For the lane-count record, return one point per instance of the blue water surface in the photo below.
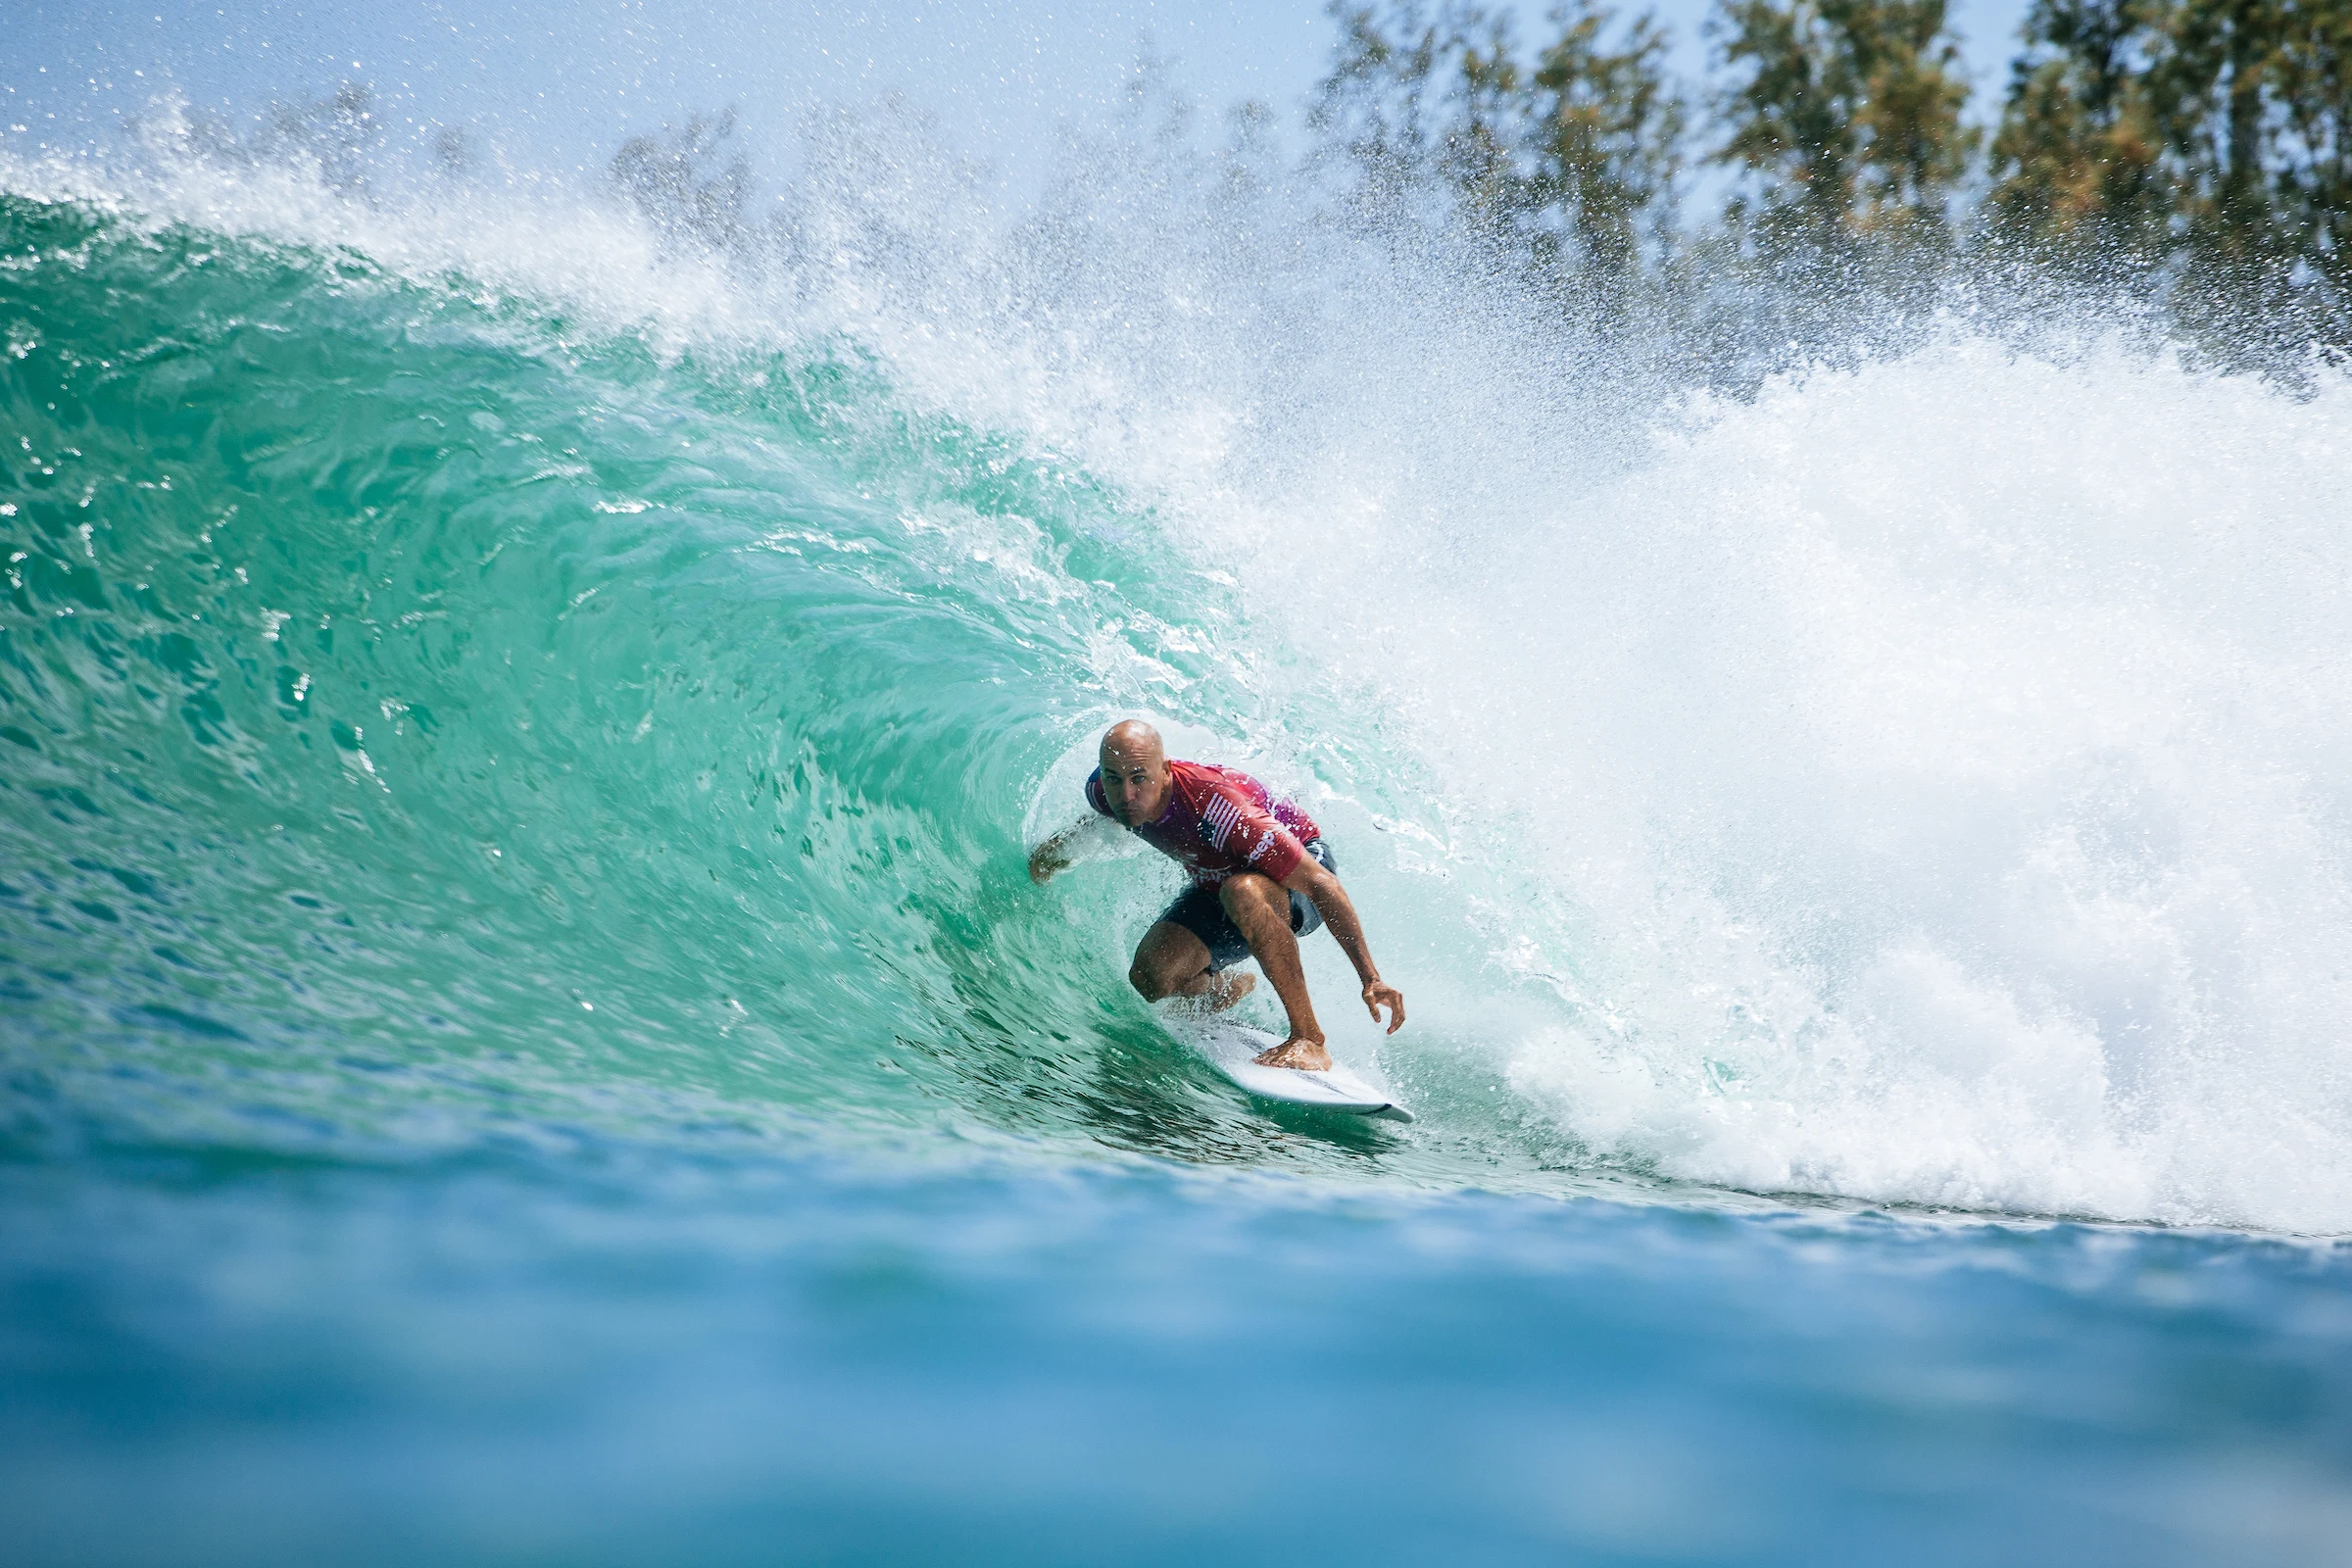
(629, 1357)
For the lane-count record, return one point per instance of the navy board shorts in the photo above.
(1201, 911)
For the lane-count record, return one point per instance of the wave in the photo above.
(477, 674)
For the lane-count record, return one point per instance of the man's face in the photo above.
(1135, 781)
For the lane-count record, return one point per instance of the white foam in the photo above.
(1932, 776)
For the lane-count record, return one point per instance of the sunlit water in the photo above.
(526, 1037)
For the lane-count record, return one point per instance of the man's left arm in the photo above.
(1331, 901)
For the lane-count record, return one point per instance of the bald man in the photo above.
(1261, 878)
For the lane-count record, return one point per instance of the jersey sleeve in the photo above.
(1235, 824)
(1093, 793)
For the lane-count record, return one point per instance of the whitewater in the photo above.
(521, 724)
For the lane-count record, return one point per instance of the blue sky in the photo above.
(559, 85)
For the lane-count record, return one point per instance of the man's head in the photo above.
(1135, 772)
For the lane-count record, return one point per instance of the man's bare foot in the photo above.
(1307, 1055)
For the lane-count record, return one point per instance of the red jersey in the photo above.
(1219, 821)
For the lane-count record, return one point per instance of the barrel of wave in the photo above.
(1114, 890)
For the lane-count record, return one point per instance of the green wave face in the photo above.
(427, 723)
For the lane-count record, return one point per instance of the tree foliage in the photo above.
(1846, 117)
(2204, 145)
(2218, 132)
(688, 180)
(1566, 155)
(1610, 132)
(2081, 140)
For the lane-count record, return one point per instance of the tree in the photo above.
(1566, 160)
(1847, 121)
(2079, 141)
(1611, 133)
(336, 138)
(2216, 133)
(2312, 137)
(2254, 93)
(685, 182)
(1372, 112)
(2209, 77)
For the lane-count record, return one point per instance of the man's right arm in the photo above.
(1331, 901)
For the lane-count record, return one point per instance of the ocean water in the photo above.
(524, 1037)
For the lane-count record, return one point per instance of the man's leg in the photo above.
(1171, 961)
(1261, 908)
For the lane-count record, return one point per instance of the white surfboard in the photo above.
(1230, 1048)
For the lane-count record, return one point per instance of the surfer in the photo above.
(1263, 877)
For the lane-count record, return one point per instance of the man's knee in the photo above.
(1149, 983)
(1154, 973)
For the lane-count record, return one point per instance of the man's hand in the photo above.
(1048, 859)
(1379, 993)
